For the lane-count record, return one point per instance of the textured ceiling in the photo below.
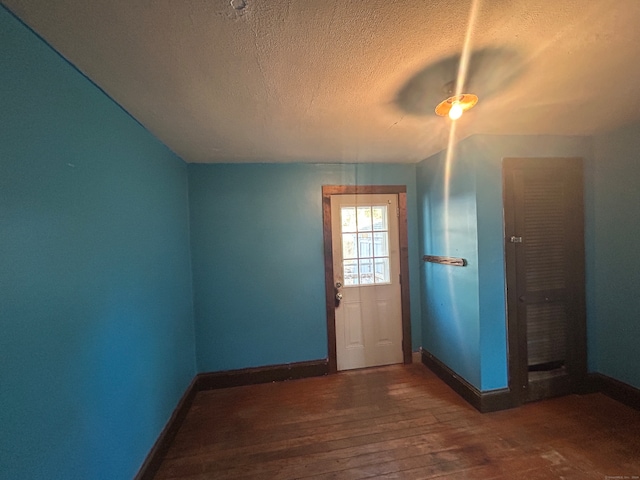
(348, 80)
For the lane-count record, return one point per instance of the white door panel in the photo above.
(353, 326)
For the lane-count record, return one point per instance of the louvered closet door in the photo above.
(545, 263)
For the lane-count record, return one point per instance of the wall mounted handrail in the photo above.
(453, 261)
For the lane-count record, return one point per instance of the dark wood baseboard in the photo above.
(615, 389)
(485, 402)
(271, 373)
(152, 463)
(495, 400)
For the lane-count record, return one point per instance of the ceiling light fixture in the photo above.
(456, 105)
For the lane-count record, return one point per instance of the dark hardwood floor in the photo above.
(397, 422)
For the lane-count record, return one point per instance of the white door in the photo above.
(366, 266)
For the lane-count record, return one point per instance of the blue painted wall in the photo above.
(476, 189)
(258, 261)
(614, 278)
(97, 341)
(450, 296)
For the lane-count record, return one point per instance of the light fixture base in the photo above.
(465, 100)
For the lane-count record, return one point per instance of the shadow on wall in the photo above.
(490, 70)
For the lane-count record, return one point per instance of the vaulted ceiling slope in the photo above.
(349, 80)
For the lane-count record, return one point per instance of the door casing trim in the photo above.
(405, 299)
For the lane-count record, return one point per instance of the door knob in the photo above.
(338, 295)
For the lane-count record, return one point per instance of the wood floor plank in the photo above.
(396, 422)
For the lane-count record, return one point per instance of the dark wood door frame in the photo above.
(401, 191)
(516, 339)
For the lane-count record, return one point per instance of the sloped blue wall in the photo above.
(258, 259)
(97, 341)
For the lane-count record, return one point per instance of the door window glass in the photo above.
(365, 245)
